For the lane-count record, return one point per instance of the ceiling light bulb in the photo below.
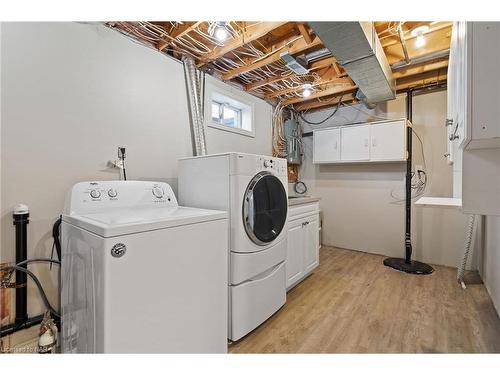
(306, 93)
(307, 90)
(221, 33)
(420, 41)
(419, 32)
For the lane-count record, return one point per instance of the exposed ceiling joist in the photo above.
(181, 30)
(324, 103)
(328, 79)
(248, 35)
(257, 84)
(295, 47)
(332, 89)
(251, 58)
(305, 32)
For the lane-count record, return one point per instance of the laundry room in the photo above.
(288, 185)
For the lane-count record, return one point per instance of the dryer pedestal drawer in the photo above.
(256, 300)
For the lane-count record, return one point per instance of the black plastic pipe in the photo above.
(14, 327)
(21, 220)
(409, 136)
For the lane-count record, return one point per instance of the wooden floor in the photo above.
(353, 304)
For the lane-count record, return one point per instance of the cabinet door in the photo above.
(326, 147)
(355, 143)
(294, 264)
(387, 141)
(486, 81)
(311, 247)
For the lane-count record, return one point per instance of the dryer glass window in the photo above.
(265, 208)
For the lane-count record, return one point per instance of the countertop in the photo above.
(440, 202)
(302, 200)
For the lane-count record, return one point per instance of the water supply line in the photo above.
(195, 89)
(469, 234)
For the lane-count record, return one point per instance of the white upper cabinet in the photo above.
(474, 86)
(326, 146)
(388, 141)
(355, 143)
(382, 141)
(485, 83)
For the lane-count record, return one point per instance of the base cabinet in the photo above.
(302, 246)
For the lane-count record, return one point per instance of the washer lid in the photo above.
(127, 220)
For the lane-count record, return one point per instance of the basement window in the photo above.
(225, 114)
(226, 111)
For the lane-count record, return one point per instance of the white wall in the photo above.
(72, 93)
(358, 210)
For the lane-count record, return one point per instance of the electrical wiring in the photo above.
(325, 119)
(279, 146)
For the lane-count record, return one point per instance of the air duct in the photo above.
(194, 87)
(296, 65)
(357, 48)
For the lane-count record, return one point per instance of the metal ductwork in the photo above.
(195, 88)
(423, 59)
(357, 48)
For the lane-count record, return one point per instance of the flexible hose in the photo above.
(38, 284)
(467, 246)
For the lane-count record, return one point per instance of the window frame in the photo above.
(238, 111)
(217, 92)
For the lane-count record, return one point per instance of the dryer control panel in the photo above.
(96, 196)
(276, 165)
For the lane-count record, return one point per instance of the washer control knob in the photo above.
(267, 163)
(112, 193)
(158, 192)
(95, 193)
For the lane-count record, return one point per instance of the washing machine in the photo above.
(252, 188)
(140, 274)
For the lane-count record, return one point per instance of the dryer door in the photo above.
(264, 208)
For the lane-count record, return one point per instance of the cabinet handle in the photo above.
(366, 142)
(374, 142)
(336, 145)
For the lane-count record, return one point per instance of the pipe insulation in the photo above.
(195, 88)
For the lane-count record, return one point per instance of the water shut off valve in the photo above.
(47, 338)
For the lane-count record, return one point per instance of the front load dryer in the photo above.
(252, 188)
(141, 274)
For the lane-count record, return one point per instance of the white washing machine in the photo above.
(141, 274)
(253, 189)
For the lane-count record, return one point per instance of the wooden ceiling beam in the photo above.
(257, 84)
(316, 104)
(305, 32)
(296, 47)
(179, 31)
(333, 89)
(248, 36)
(316, 65)
(438, 75)
(328, 79)
(415, 70)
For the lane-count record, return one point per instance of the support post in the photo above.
(406, 264)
